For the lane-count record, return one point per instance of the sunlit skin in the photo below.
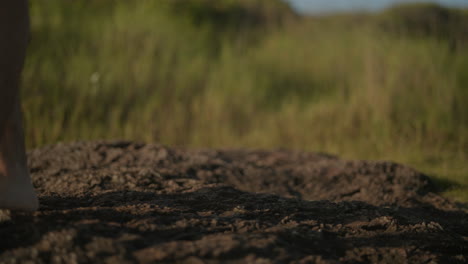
(16, 190)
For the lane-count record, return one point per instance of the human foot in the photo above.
(16, 189)
(17, 193)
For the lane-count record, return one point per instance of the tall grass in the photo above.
(146, 71)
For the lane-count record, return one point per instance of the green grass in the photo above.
(250, 74)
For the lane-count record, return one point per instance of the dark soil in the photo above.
(122, 202)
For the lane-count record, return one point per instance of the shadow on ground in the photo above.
(123, 202)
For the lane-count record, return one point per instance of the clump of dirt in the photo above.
(122, 202)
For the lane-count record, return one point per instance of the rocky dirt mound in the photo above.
(120, 202)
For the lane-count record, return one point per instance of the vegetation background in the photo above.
(252, 73)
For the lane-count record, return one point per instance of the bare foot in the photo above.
(17, 193)
(16, 189)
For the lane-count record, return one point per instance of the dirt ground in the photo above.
(122, 202)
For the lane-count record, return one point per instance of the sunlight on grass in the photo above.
(355, 85)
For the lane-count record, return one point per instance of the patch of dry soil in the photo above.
(121, 202)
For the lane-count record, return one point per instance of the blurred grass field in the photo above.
(203, 73)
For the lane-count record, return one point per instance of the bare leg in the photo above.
(16, 190)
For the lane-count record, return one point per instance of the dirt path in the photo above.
(122, 202)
